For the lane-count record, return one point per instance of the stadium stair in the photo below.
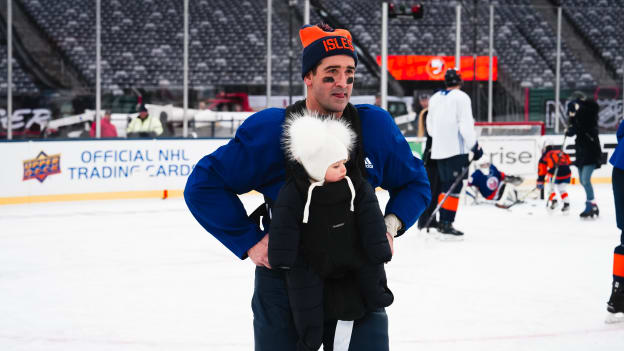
(588, 57)
(51, 68)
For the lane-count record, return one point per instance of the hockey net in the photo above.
(509, 128)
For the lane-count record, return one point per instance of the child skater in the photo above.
(556, 164)
(327, 230)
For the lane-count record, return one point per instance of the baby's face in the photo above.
(336, 172)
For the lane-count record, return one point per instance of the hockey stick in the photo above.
(458, 180)
(519, 200)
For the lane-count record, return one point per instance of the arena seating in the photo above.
(142, 40)
(22, 83)
(524, 43)
(600, 24)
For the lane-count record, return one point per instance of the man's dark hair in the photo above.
(452, 78)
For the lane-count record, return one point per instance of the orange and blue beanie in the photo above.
(320, 41)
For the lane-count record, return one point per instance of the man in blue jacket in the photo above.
(254, 160)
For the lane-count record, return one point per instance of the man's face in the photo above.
(143, 114)
(330, 88)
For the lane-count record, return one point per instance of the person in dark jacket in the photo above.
(583, 116)
(326, 226)
(254, 160)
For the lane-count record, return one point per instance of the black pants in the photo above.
(434, 181)
(449, 170)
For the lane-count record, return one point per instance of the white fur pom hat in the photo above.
(316, 142)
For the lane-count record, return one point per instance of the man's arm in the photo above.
(157, 127)
(406, 180)
(131, 126)
(219, 210)
(247, 162)
(466, 121)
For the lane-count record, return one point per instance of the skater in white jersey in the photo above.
(451, 126)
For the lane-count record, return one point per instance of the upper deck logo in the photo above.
(42, 166)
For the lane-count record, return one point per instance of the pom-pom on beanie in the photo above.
(317, 142)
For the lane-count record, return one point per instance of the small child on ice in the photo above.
(555, 163)
(327, 230)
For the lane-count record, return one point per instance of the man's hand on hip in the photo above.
(259, 253)
(391, 242)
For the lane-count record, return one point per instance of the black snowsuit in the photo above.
(335, 261)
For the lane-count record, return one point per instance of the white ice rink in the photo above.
(143, 275)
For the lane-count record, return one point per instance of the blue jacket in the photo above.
(617, 159)
(254, 160)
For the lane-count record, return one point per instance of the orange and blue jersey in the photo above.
(554, 160)
(488, 184)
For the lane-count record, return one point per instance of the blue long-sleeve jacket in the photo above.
(254, 160)
(617, 159)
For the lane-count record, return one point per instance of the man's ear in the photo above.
(307, 79)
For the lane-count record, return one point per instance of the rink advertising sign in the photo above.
(519, 155)
(120, 168)
(423, 67)
(25, 121)
(125, 163)
(123, 168)
(42, 166)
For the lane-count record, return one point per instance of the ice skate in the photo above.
(615, 306)
(446, 232)
(590, 211)
(613, 318)
(551, 205)
(434, 224)
(566, 208)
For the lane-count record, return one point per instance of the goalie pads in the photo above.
(508, 197)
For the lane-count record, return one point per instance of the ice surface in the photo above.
(143, 275)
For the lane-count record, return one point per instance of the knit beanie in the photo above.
(317, 142)
(320, 41)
